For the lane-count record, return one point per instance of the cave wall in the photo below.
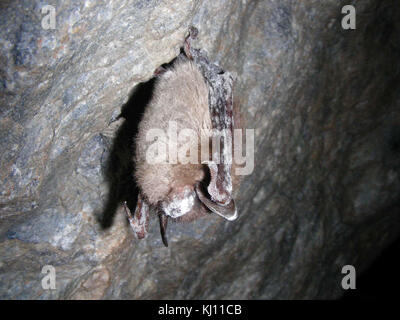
(324, 104)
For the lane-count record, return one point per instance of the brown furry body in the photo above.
(180, 95)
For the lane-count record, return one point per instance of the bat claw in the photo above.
(114, 118)
(160, 70)
(193, 32)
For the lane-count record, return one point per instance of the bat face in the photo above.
(190, 109)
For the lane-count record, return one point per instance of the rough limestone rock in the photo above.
(324, 103)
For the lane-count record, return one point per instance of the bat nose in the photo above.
(179, 202)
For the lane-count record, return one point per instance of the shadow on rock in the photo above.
(119, 166)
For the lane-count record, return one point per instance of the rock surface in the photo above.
(324, 103)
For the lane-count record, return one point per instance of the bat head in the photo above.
(189, 199)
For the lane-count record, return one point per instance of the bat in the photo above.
(197, 96)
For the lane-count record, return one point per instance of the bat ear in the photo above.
(220, 85)
(227, 211)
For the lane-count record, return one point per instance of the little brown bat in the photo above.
(193, 94)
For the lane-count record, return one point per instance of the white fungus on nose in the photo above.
(178, 206)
